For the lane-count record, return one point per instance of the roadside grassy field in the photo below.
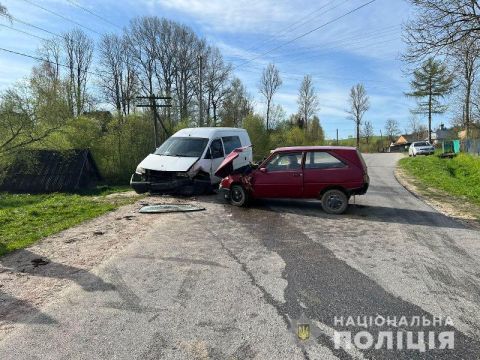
(25, 218)
(459, 176)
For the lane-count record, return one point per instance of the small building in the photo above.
(405, 139)
(443, 134)
(47, 171)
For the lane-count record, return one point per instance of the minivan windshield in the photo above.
(183, 147)
(419, 144)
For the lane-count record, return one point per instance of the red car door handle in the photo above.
(297, 174)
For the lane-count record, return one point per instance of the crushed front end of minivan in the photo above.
(185, 163)
(173, 168)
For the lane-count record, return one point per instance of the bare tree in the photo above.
(78, 49)
(187, 64)
(367, 131)
(392, 129)
(269, 84)
(467, 64)
(117, 79)
(308, 103)
(141, 45)
(51, 51)
(4, 12)
(236, 105)
(359, 105)
(217, 75)
(414, 126)
(166, 47)
(438, 25)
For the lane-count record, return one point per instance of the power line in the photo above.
(306, 33)
(74, 3)
(296, 24)
(23, 32)
(63, 17)
(35, 26)
(343, 41)
(47, 61)
(347, 40)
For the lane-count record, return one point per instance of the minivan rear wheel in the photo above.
(238, 195)
(334, 202)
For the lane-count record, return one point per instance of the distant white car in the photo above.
(421, 148)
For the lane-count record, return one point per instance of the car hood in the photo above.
(226, 167)
(167, 163)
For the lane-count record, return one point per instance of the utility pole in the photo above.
(337, 137)
(156, 117)
(200, 100)
(381, 139)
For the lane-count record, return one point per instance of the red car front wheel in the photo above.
(238, 195)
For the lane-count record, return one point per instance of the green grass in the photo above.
(25, 218)
(459, 176)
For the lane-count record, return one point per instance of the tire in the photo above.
(334, 202)
(238, 195)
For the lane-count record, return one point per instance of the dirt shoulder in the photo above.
(453, 206)
(32, 277)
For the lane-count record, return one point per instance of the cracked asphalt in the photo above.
(228, 283)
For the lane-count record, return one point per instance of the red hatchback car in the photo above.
(331, 174)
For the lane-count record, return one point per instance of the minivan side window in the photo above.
(231, 143)
(216, 150)
(322, 160)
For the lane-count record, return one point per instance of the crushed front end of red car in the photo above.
(230, 174)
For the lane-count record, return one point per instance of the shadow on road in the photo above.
(363, 212)
(21, 307)
(25, 262)
(323, 287)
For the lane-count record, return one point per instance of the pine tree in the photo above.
(430, 83)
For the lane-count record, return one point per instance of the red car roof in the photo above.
(313, 148)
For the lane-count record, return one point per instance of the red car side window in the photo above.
(285, 162)
(322, 160)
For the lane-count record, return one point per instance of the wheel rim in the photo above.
(335, 202)
(237, 194)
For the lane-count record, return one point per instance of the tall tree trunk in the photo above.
(268, 114)
(430, 117)
(467, 108)
(358, 134)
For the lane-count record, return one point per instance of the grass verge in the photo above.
(459, 176)
(25, 218)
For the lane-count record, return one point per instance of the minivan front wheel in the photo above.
(334, 202)
(238, 195)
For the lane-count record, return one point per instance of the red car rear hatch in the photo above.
(226, 167)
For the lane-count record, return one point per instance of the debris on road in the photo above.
(39, 262)
(169, 208)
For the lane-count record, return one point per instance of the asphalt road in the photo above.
(231, 283)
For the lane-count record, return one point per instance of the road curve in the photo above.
(231, 283)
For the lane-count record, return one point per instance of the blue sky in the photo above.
(362, 47)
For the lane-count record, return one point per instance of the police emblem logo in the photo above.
(303, 331)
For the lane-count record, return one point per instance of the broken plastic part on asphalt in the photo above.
(169, 208)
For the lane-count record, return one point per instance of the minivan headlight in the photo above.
(140, 170)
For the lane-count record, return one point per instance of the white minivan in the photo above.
(186, 162)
